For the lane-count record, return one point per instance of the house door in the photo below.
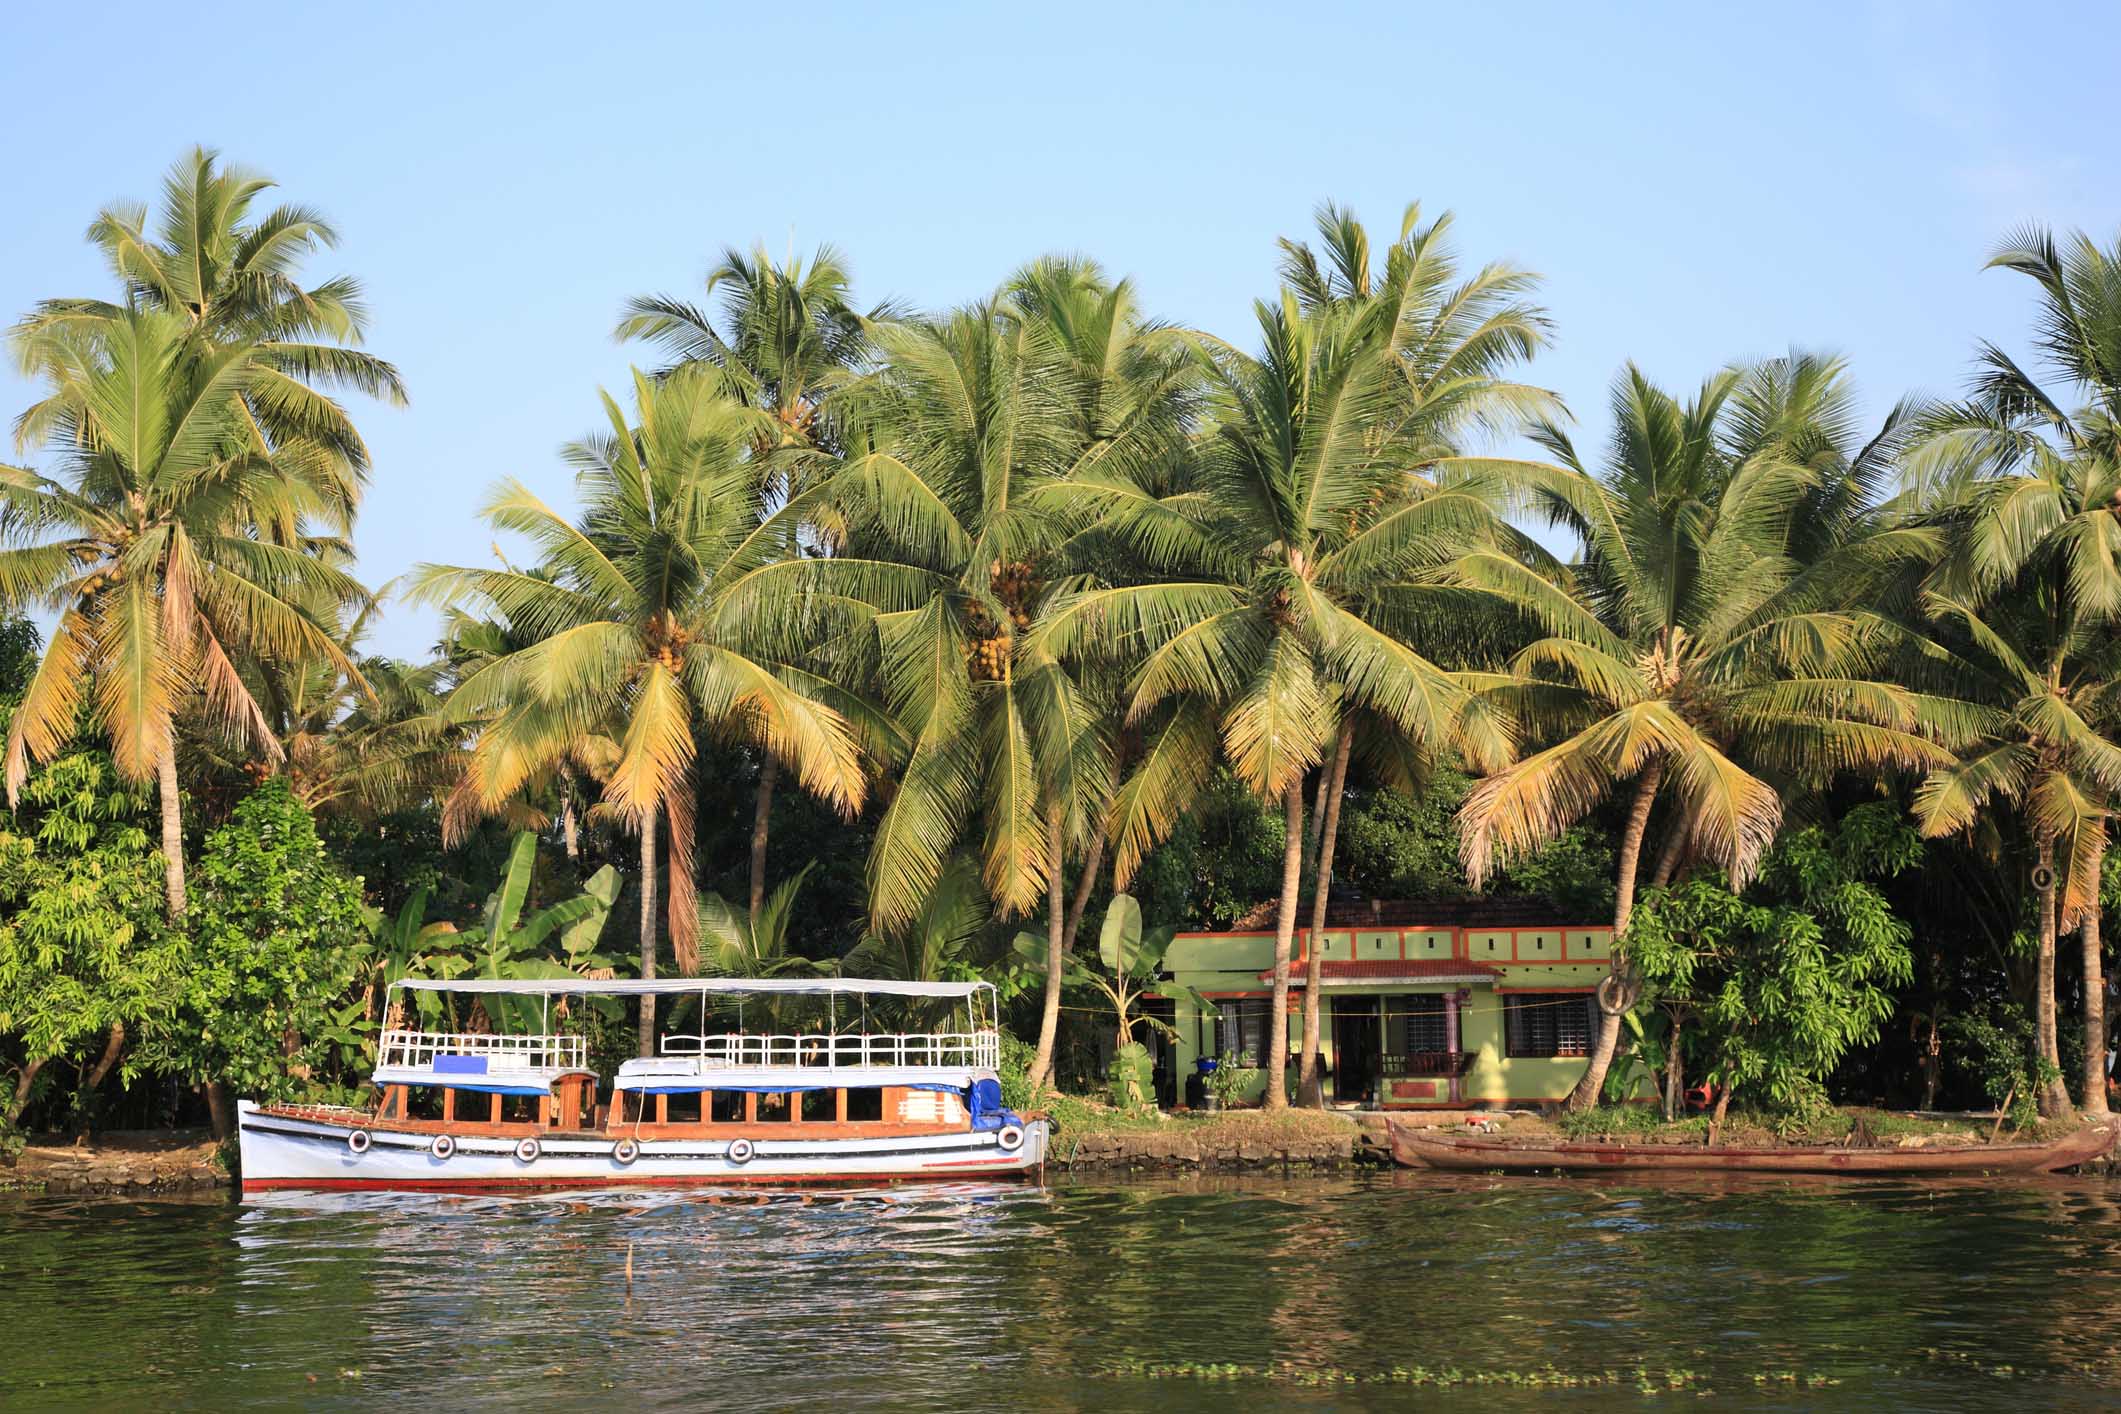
(1356, 1049)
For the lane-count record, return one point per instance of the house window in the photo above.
(1548, 1024)
(1242, 1027)
(1416, 1023)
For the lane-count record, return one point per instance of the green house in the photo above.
(1483, 1003)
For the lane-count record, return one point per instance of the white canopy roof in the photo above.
(693, 986)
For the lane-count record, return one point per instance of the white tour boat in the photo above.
(498, 1112)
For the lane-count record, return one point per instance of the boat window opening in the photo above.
(818, 1105)
(726, 1107)
(1548, 1025)
(773, 1108)
(865, 1105)
(685, 1109)
(519, 1109)
(422, 1102)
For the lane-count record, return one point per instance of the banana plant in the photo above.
(506, 944)
(1130, 960)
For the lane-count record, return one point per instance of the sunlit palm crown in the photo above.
(1704, 637)
(2017, 487)
(652, 614)
(232, 277)
(1297, 565)
(949, 443)
(145, 542)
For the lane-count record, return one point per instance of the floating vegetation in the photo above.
(1642, 1378)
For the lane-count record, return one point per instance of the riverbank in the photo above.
(1093, 1139)
(148, 1161)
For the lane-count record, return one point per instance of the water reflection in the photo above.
(1934, 1294)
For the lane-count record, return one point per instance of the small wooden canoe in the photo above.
(1414, 1148)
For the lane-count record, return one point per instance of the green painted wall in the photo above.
(1231, 962)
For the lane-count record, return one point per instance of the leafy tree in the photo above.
(1792, 974)
(86, 960)
(270, 1003)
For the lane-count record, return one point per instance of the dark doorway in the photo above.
(1356, 1052)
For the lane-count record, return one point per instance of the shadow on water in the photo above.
(1346, 1293)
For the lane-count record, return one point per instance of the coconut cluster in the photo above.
(987, 652)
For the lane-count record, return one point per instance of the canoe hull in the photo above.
(1413, 1149)
(287, 1152)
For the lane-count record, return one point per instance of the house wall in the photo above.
(1559, 959)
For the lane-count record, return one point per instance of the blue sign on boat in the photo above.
(460, 1065)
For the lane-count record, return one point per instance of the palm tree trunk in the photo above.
(1588, 1089)
(1668, 858)
(1292, 882)
(172, 802)
(172, 827)
(570, 828)
(648, 929)
(1093, 862)
(1310, 1087)
(2054, 1095)
(1056, 930)
(2094, 1016)
(2095, 992)
(761, 814)
(1314, 829)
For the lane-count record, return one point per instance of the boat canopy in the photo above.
(694, 986)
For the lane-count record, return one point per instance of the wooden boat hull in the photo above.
(283, 1151)
(1412, 1148)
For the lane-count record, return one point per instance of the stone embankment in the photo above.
(1233, 1144)
(181, 1162)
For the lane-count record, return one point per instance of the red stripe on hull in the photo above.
(558, 1185)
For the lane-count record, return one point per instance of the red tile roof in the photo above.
(1387, 969)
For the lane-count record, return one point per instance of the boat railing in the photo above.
(419, 1048)
(842, 1051)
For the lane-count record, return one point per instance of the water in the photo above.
(1775, 1294)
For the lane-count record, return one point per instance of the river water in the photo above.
(1373, 1292)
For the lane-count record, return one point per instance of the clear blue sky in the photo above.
(1696, 182)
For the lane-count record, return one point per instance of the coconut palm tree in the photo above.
(1450, 344)
(651, 615)
(146, 546)
(1693, 659)
(2022, 478)
(788, 333)
(1256, 620)
(949, 445)
(232, 276)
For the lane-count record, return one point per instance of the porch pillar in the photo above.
(1450, 1040)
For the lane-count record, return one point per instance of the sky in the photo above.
(1695, 183)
